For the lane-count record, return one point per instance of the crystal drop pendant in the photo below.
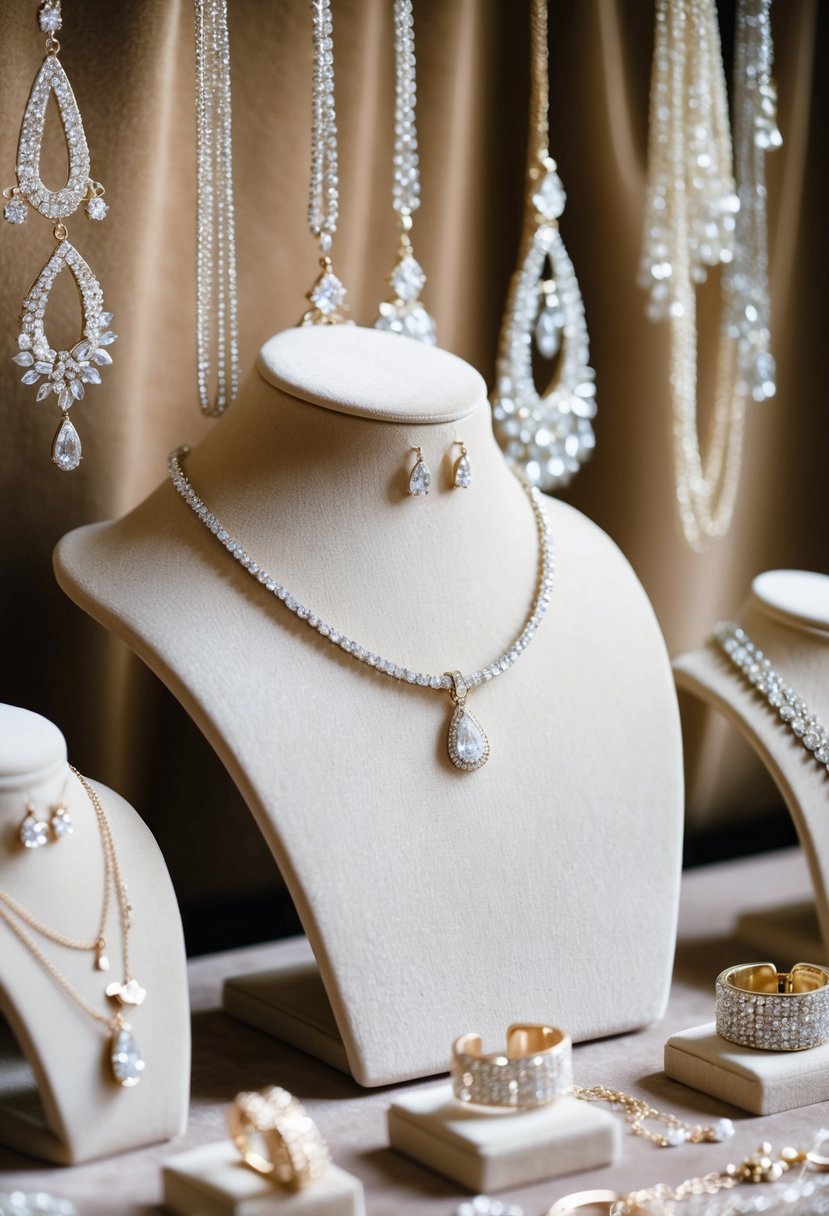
(54, 204)
(467, 743)
(126, 1059)
(549, 197)
(462, 476)
(420, 479)
(67, 452)
(548, 330)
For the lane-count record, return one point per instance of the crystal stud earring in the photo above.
(462, 471)
(61, 822)
(33, 832)
(420, 478)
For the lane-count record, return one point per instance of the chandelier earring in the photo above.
(67, 373)
(420, 478)
(547, 435)
(405, 314)
(327, 296)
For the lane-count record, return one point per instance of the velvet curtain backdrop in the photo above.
(132, 68)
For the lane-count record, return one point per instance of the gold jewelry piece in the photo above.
(536, 1068)
(759, 1006)
(295, 1153)
(33, 833)
(637, 1113)
(761, 1166)
(462, 470)
(420, 478)
(126, 1060)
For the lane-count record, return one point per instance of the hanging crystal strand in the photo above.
(66, 374)
(327, 296)
(217, 332)
(747, 309)
(405, 314)
(549, 436)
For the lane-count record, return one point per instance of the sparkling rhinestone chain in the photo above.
(217, 326)
(757, 670)
(385, 666)
(324, 197)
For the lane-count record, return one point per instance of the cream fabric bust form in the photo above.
(787, 616)
(63, 1104)
(543, 886)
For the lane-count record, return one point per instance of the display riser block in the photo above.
(213, 1181)
(761, 1082)
(487, 1149)
(788, 934)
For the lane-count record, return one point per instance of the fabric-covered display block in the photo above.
(761, 1082)
(214, 1181)
(491, 1149)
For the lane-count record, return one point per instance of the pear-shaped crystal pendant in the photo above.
(462, 472)
(67, 452)
(549, 435)
(468, 745)
(420, 478)
(54, 204)
(125, 1057)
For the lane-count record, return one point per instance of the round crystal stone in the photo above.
(15, 211)
(96, 208)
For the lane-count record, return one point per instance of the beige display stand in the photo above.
(59, 1101)
(493, 1150)
(429, 895)
(213, 1181)
(762, 1082)
(787, 616)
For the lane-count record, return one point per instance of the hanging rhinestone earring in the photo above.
(405, 314)
(462, 471)
(327, 296)
(33, 832)
(65, 373)
(61, 821)
(547, 435)
(420, 478)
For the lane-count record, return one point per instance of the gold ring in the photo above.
(759, 1006)
(294, 1153)
(536, 1068)
(584, 1199)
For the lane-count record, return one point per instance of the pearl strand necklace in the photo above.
(327, 296)
(758, 671)
(467, 743)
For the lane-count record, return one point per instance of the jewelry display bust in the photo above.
(59, 1099)
(545, 884)
(786, 616)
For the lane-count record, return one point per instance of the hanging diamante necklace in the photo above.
(467, 743)
(126, 1060)
(327, 296)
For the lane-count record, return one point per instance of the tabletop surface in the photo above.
(229, 1056)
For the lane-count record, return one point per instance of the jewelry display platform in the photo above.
(229, 1056)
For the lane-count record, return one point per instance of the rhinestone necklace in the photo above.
(467, 743)
(126, 1061)
(758, 671)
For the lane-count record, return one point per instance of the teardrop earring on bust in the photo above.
(420, 478)
(60, 821)
(405, 314)
(33, 833)
(65, 373)
(462, 470)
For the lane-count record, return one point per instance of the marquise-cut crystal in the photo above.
(54, 204)
(67, 452)
(468, 745)
(127, 1061)
(549, 197)
(420, 480)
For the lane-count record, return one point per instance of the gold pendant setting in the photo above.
(467, 742)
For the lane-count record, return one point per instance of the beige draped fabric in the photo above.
(132, 68)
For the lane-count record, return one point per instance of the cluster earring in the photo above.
(33, 832)
(327, 295)
(405, 314)
(64, 373)
(548, 435)
(420, 478)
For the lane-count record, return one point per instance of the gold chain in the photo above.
(636, 1111)
(9, 908)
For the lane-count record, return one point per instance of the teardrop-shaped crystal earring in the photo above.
(420, 478)
(33, 833)
(462, 469)
(64, 373)
(60, 821)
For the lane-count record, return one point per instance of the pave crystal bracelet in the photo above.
(758, 671)
(761, 1007)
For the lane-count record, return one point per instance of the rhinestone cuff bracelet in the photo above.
(536, 1068)
(759, 1006)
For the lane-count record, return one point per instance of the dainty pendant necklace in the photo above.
(467, 743)
(126, 1061)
